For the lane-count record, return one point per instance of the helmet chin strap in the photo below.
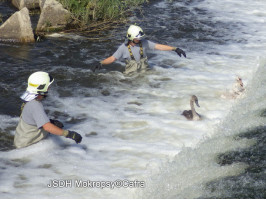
(135, 42)
(43, 94)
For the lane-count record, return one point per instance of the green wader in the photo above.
(134, 66)
(27, 134)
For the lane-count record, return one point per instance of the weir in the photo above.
(207, 171)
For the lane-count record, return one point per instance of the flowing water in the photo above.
(132, 126)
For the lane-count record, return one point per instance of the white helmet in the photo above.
(39, 82)
(134, 32)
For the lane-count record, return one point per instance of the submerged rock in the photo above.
(18, 27)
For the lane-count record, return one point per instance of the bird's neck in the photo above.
(194, 114)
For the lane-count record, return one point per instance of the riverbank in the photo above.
(89, 12)
(70, 16)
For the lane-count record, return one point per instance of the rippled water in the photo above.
(132, 127)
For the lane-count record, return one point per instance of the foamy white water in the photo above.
(137, 132)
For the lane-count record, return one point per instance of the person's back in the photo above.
(29, 129)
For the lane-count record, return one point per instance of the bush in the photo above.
(85, 11)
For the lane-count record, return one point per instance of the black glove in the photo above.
(74, 136)
(180, 52)
(98, 66)
(57, 123)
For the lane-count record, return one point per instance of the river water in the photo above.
(132, 126)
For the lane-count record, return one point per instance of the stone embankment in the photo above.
(18, 27)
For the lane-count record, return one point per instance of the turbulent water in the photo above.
(132, 126)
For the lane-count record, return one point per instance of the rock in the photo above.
(30, 4)
(41, 3)
(53, 17)
(17, 27)
(91, 134)
(105, 93)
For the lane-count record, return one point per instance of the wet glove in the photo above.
(98, 66)
(72, 135)
(180, 52)
(57, 123)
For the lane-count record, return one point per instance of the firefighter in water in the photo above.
(34, 125)
(134, 51)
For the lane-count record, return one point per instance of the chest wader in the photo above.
(28, 134)
(134, 66)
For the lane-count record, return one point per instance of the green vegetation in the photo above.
(87, 11)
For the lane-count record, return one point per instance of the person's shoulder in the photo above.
(34, 103)
(148, 44)
(145, 41)
(122, 47)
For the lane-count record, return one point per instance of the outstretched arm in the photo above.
(163, 47)
(51, 128)
(108, 60)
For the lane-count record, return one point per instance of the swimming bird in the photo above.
(192, 114)
(239, 86)
(237, 90)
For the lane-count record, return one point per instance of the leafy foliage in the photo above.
(85, 11)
